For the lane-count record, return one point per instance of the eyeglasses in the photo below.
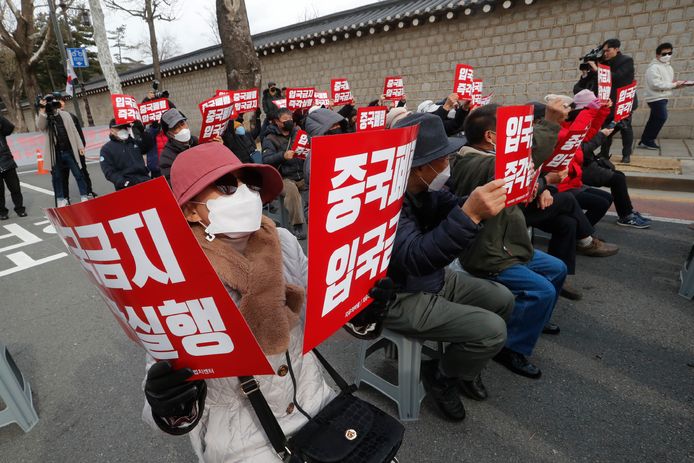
(667, 53)
(228, 185)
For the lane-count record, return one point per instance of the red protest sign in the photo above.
(301, 145)
(341, 93)
(321, 99)
(281, 103)
(245, 101)
(477, 86)
(566, 148)
(151, 111)
(604, 82)
(357, 185)
(394, 88)
(300, 98)
(463, 83)
(625, 101)
(216, 113)
(485, 100)
(125, 109)
(514, 138)
(371, 118)
(136, 247)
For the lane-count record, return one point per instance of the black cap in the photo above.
(432, 141)
(113, 124)
(271, 84)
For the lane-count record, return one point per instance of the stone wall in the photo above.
(521, 53)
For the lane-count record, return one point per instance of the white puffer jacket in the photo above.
(229, 430)
(659, 81)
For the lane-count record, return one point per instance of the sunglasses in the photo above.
(228, 184)
(669, 53)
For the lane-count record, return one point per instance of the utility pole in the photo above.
(87, 109)
(63, 53)
(101, 40)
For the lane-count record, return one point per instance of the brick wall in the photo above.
(522, 54)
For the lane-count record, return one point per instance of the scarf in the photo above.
(269, 305)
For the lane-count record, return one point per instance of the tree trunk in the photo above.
(240, 60)
(14, 112)
(107, 67)
(31, 86)
(153, 40)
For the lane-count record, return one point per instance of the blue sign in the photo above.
(78, 57)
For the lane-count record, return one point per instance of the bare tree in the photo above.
(310, 12)
(240, 59)
(149, 11)
(19, 34)
(103, 49)
(168, 47)
(117, 35)
(11, 88)
(210, 18)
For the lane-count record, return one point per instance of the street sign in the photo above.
(78, 57)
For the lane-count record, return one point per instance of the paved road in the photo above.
(618, 383)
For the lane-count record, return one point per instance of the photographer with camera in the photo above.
(589, 71)
(121, 157)
(62, 142)
(8, 173)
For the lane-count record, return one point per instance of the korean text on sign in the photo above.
(321, 99)
(138, 250)
(357, 185)
(604, 82)
(566, 148)
(394, 88)
(371, 118)
(216, 113)
(125, 109)
(301, 145)
(341, 93)
(151, 111)
(625, 102)
(300, 98)
(464, 82)
(281, 103)
(514, 139)
(245, 101)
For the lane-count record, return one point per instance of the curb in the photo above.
(662, 182)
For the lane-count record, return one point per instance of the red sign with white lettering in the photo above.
(216, 113)
(566, 148)
(371, 118)
(301, 145)
(245, 101)
(625, 101)
(125, 109)
(300, 98)
(136, 247)
(394, 88)
(514, 139)
(321, 99)
(463, 83)
(604, 82)
(357, 184)
(341, 93)
(151, 111)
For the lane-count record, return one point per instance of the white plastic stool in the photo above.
(16, 393)
(409, 392)
(687, 277)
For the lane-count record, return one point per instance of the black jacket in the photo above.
(455, 125)
(268, 106)
(622, 67)
(6, 158)
(121, 161)
(241, 145)
(171, 151)
(274, 146)
(589, 82)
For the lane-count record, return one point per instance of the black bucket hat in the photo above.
(432, 141)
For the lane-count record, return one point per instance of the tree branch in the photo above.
(17, 14)
(111, 4)
(42, 49)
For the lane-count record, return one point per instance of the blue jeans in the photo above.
(67, 159)
(536, 286)
(656, 121)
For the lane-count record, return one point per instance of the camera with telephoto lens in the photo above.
(157, 93)
(51, 103)
(593, 55)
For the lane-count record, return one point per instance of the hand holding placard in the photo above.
(485, 201)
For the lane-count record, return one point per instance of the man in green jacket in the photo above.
(502, 250)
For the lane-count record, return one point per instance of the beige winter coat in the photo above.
(74, 136)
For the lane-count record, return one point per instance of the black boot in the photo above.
(517, 363)
(443, 390)
(474, 389)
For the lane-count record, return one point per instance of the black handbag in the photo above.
(347, 430)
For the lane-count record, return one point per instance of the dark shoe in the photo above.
(569, 292)
(298, 231)
(551, 328)
(625, 159)
(474, 389)
(648, 146)
(4, 216)
(597, 248)
(517, 363)
(443, 390)
(22, 214)
(633, 221)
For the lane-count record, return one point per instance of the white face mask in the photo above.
(123, 134)
(183, 135)
(665, 59)
(440, 179)
(235, 215)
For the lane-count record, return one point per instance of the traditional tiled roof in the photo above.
(366, 20)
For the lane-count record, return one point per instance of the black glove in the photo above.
(168, 392)
(368, 324)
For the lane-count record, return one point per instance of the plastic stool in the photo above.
(16, 393)
(409, 392)
(687, 277)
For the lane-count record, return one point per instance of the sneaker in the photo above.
(62, 202)
(638, 214)
(4, 216)
(625, 160)
(597, 248)
(443, 390)
(648, 146)
(84, 199)
(633, 221)
(22, 214)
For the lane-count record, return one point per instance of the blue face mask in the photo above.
(241, 131)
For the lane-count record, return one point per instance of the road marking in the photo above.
(659, 219)
(37, 188)
(35, 170)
